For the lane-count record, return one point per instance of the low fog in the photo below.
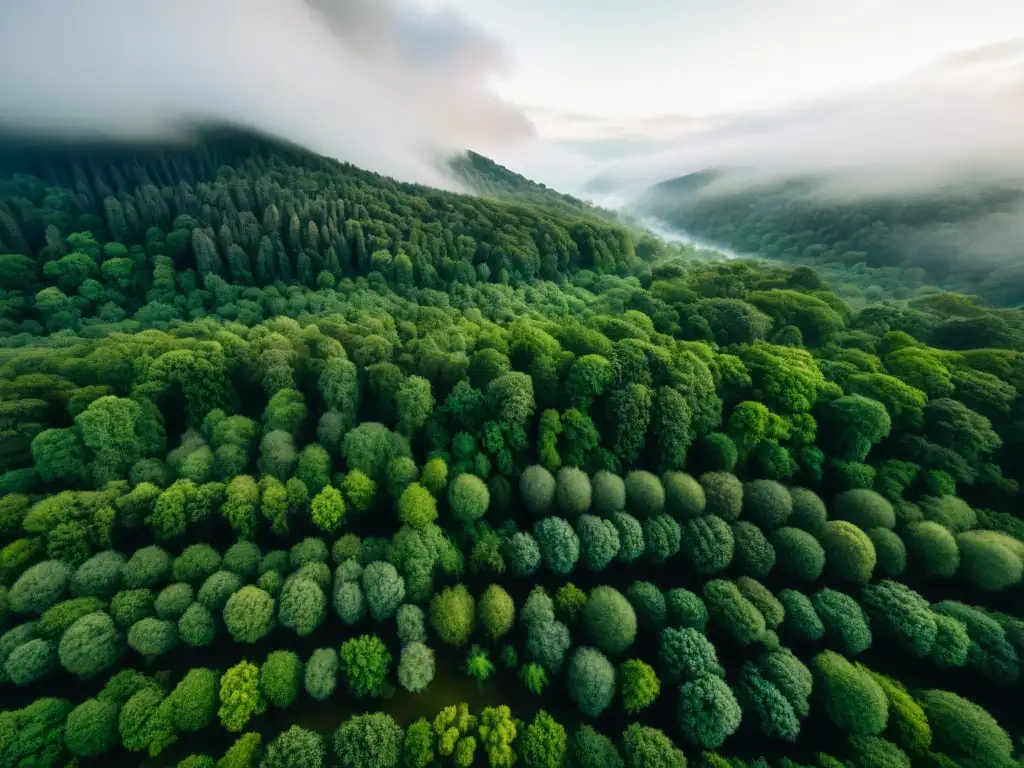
(957, 121)
(378, 83)
(395, 88)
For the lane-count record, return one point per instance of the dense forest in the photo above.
(965, 239)
(302, 466)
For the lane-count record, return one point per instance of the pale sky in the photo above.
(628, 62)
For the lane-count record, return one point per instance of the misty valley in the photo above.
(304, 466)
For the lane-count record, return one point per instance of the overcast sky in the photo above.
(631, 61)
(560, 90)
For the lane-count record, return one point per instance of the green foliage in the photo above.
(559, 545)
(415, 666)
(39, 587)
(763, 600)
(243, 558)
(57, 619)
(523, 554)
(684, 496)
(418, 746)
(92, 728)
(31, 661)
(538, 607)
(240, 696)
(383, 589)
(908, 726)
(609, 620)
(468, 498)
(302, 605)
(197, 627)
(547, 333)
(591, 681)
(99, 576)
(537, 488)
(707, 544)
(368, 741)
(547, 642)
(599, 541)
(411, 624)
(569, 602)
(631, 537)
(853, 700)
(173, 601)
(890, 551)
(864, 508)
(365, 662)
(872, 751)
(686, 654)
(809, 511)
(533, 677)
(645, 495)
(193, 701)
(153, 637)
(990, 652)
(685, 609)
(90, 645)
(952, 642)
(453, 615)
(949, 512)
(905, 615)
(572, 491)
(543, 742)
(434, 476)
(965, 731)
(644, 746)
(144, 724)
(662, 538)
(790, 676)
(849, 553)
(309, 550)
(766, 503)
(990, 560)
(217, 588)
(321, 674)
(846, 623)
(359, 490)
(766, 704)
(648, 603)
(495, 611)
(249, 614)
(196, 563)
(295, 748)
(590, 748)
(416, 506)
(932, 550)
(327, 509)
(723, 493)
(753, 554)
(479, 665)
(608, 493)
(639, 685)
(798, 553)
(497, 732)
(243, 753)
(731, 613)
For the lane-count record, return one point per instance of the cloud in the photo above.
(956, 120)
(380, 83)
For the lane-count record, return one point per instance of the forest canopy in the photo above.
(285, 440)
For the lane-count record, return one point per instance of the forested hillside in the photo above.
(302, 466)
(962, 239)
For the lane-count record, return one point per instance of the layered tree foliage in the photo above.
(361, 439)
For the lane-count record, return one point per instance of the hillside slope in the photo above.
(966, 239)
